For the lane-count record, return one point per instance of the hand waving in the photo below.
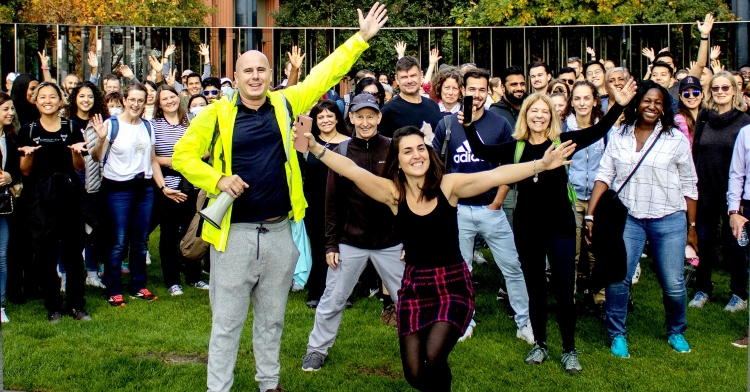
(400, 48)
(591, 51)
(203, 49)
(155, 64)
(375, 19)
(98, 125)
(93, 62)
(434, 56)
(715, 52)
(295, 58)
(126, 72)
(707, 25)
(555, 157)
(169, 51)
(170, 78)
(648, 53)
(627, 93)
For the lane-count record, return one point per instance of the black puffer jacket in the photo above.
(504, 109)
(352, 217)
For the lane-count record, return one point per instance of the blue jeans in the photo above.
(129, 213)
(494, 227)
(4, 235)
(667, 236)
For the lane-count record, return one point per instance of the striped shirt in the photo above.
(166, 136)
(666, 176)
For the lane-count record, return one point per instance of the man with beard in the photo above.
(70, 81)
(539, 76)
(409, 107)
(515, 92)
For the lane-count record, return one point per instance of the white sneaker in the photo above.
(95, 282)
(148, 258)
(201, 285)
(637, 274)
(735, 304)
(175, 290)
(469, 333)
(699, 300)
(525, 333)
(3, 317)
(479, 257)
(63, 279)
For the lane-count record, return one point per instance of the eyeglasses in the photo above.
(592, 73)
(136, 101)
(210, 92)
(376, 94)
(570, 82)
(723, 88)
(572, 59)
(694, 93)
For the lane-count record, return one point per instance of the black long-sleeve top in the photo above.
(543, 206)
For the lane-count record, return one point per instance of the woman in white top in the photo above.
(446, 89)
(129, 164)
(169, 124)
(657, 198)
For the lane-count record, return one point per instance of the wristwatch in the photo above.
(692, 224)
(732, 212)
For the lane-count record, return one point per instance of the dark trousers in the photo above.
(561, 252)
(174, 219)
(316, 282)
(65, 242)
(734, 256)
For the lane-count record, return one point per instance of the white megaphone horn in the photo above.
(214, 213)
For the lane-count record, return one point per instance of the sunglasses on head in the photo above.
(723, 88)
(376, 94)
(210, 92)
(571, 59)
(570, 82)
(694, 93)
(559, 90)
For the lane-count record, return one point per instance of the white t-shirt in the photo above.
(130, 153)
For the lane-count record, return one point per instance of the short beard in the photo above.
(515, 101)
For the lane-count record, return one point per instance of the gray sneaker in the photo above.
(537, 355)
(312, 361)
(570, 362)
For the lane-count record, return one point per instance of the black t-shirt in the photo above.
(398, 113)
(54, 155)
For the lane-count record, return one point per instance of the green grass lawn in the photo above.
(162, 346)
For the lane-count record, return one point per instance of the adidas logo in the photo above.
(463, 154)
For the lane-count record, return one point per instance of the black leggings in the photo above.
(424, 356)
(561, 253)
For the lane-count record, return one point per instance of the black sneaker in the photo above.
(80, 315)
(54, 317)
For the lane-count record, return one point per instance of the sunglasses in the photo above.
(571, 59)
(558, 90)
(210, 92)
(694, 93)
(375, 94)
(723, 88)
(570, 82)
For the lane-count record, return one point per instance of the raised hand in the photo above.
(461, 115)
(203, 49)
(715, 52)
(43, 58)
(79, 148)
(170, 78)
(707, 25)
(555, 157)
(155, 64)
(627, 93)
(591, 52)
(92, 60)
(126, 72)
(98, 125)
(434, 56)
(375, 19)
(692, 64)
(295, 58)
(175, 195)
(169, 51)
(716, 66)
(28, 150)
(649, 53)
(400, 48)
(664, 49)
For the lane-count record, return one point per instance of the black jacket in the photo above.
(352, 217)
(504, 109)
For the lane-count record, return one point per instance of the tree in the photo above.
(114, 12)
(574, 12)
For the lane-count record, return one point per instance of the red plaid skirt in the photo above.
(431, 295)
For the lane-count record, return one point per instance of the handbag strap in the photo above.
(639, 162)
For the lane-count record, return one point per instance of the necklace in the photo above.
(328, 142)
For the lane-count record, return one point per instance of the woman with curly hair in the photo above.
(446, 90)
(85, 100)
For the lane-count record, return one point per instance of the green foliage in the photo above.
(577, 12)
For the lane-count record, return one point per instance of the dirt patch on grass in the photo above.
(175, 358)
(382, 371)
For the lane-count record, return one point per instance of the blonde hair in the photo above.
(522, 130)
(737, 102)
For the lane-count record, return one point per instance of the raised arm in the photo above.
(295, 59)
(705, 30)
(379, 188)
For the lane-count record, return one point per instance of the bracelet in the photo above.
(45, 68)
(536, 175)
(321, 154)
(588, 218)
(704, 39)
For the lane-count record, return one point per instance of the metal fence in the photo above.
(493, 48)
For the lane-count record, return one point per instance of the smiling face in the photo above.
(616, 81)
(693, 102)
(722, 97)
(449, 92)
(365, 122)
(595, 74)
(211, 93)
(7, 112)
(169, 102)
(538, 117)
(539, 78)
(410, 81)
(70, 82)
(651, 106)
(661, 76)
(477, 88)
(135, 103)
(413, 157)
(151, 96)
(194, 84)
(48, 100)
(30, 91)
(383, 79)
(198, 103)
(253, 75)
(515, 86)
(560, 105)
(85, 99)
(112, 86)
(583, 100)
(326, 121)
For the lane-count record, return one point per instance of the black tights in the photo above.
(424, 356)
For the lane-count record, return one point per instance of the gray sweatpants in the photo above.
(258, 262)
(340, 283)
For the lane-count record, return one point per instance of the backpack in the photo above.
(347, 104)
(571, 191)
(443, 156)
(116, 130)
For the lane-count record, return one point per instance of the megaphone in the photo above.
(214, 213)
